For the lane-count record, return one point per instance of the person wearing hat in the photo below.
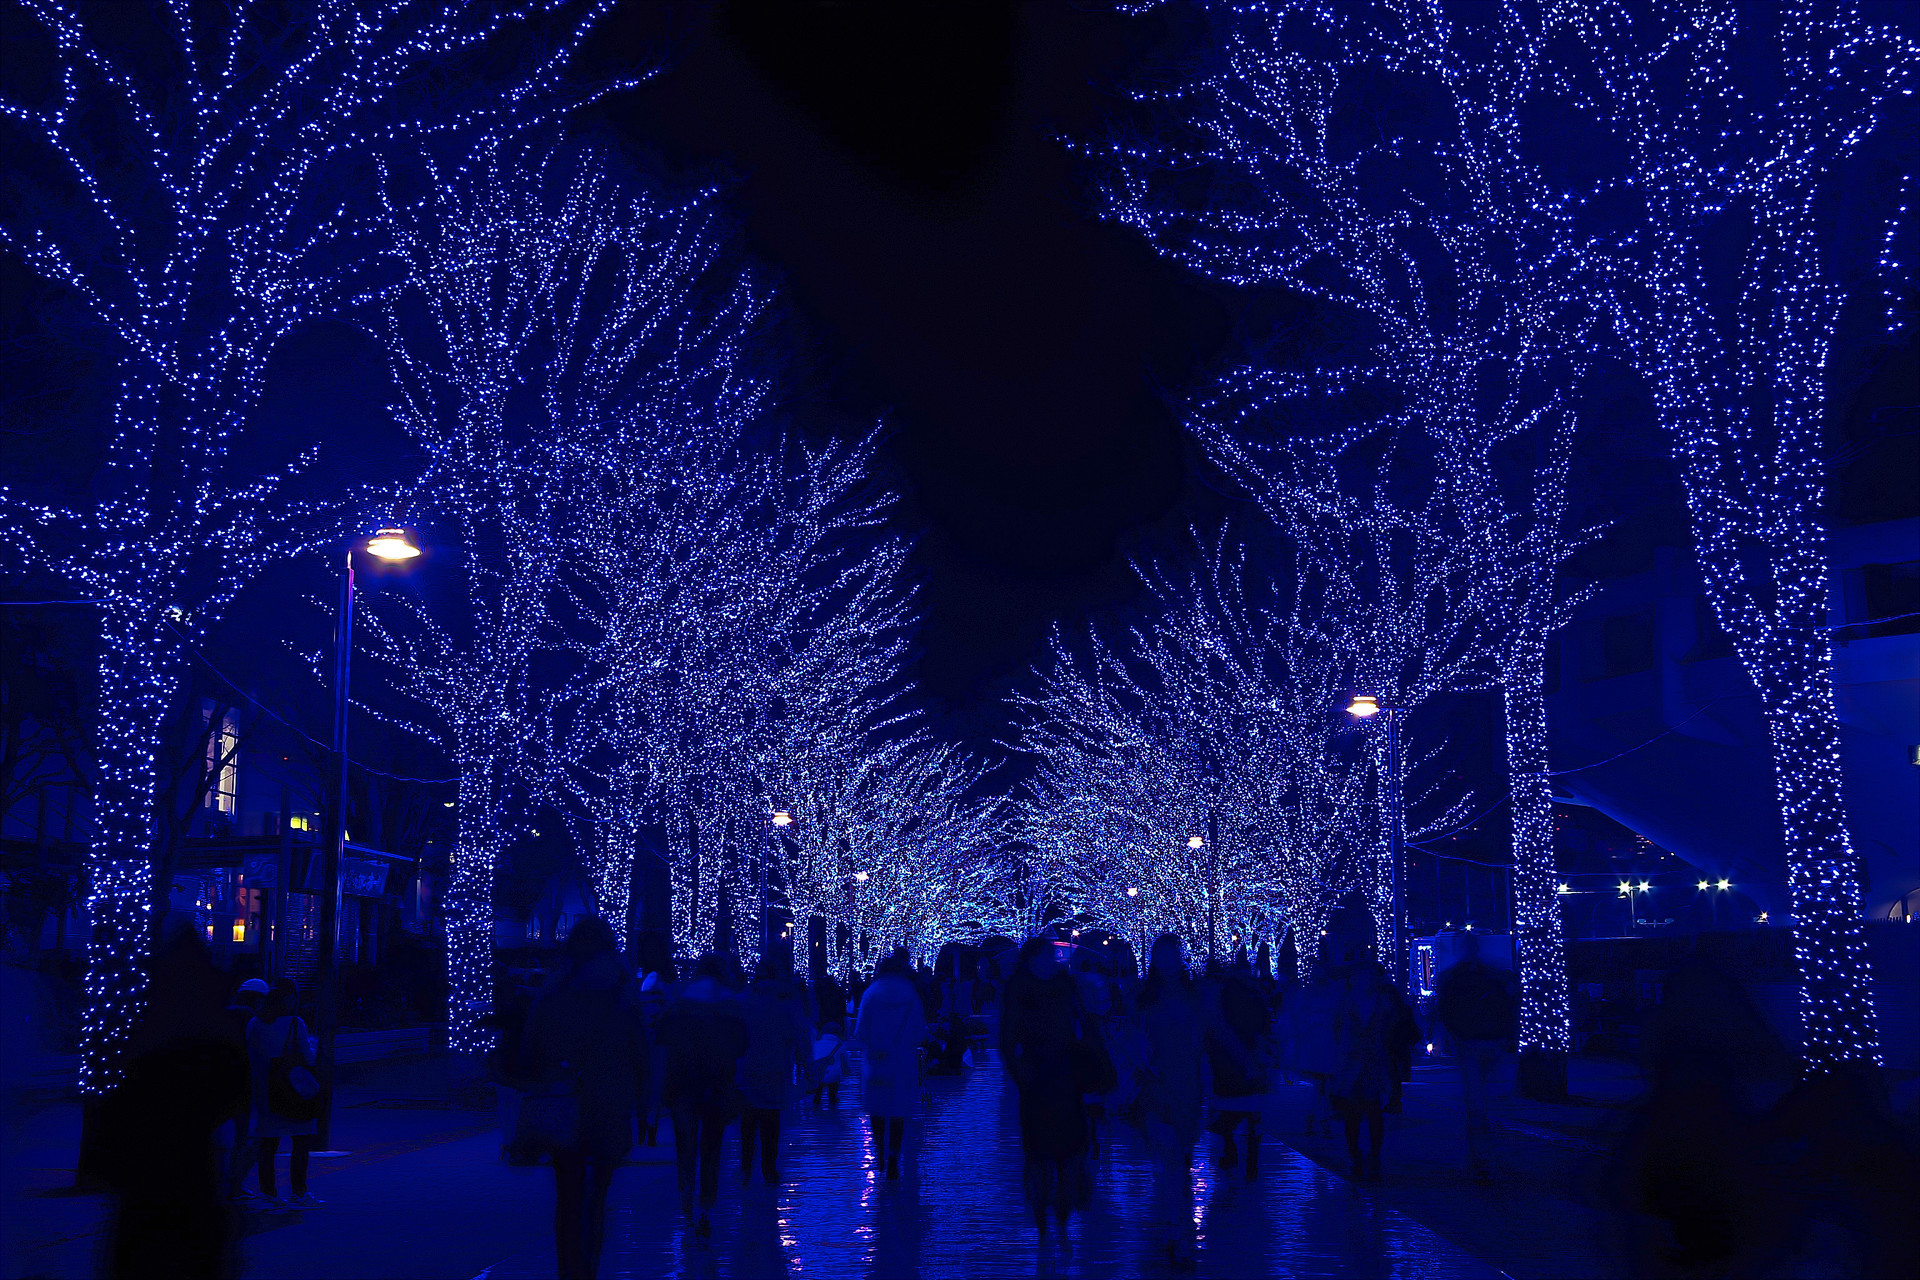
(235, 1137)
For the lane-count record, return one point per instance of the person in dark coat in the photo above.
(702, 1037)
(236, 1135)
(1238, 1045)
(1175, 1021)
(583, 1033)
(186, 1074)
(779, 1041)
(1478, 1006)
(1046, 1048)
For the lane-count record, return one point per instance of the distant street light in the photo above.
(1195, 842)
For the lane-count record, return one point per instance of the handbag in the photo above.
(1093, 1069)
(293, 1091)
(549, 1121)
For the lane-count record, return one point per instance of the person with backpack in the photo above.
(286, 1093)
(1476, 1003)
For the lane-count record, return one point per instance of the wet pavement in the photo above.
(956, 1210)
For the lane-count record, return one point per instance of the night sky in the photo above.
(900, 168)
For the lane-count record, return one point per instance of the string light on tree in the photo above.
(195, 160)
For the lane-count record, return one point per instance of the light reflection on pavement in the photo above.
(956, 1211)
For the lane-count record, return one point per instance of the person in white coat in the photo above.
(889, 1027)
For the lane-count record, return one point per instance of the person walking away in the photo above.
(702, 1037)
(583, 1041)
(1478, 1007)
(186, 1073)
(1047, 1048)
(779, 1041)
(1171, 1017)
(1365, 1010)
(655, 988)
(1238, 1049)
(235, 1136)
(889, 1027)
(280, 1064)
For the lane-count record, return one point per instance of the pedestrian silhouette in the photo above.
(890, 1026)
(286, 1100)
(585, 1048)
(186, 1074)
(1054, 1060)
(1239, 1045)
(1477, 1005)
(702, 1037)
(1363, 1011)
(1171, 1015)
(779, 1041)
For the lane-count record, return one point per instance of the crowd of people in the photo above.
(604, 1052)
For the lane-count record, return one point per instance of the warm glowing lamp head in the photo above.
(860, 877)
(1133, 891)
(1194, 842)
(1724, 884)
(1645, 887)
(1626, 886)
(392, 544)
(1363, 705)
(1702, 884)
(781, 818)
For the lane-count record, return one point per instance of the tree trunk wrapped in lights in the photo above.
(182, 174)
(1732, 226)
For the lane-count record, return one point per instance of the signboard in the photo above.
(363, 877)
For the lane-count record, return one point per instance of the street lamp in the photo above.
(1365, 706)
(781, 821)
(393, 546)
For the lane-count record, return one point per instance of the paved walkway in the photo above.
(424, 1197)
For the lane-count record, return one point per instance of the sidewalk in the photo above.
(1539, 1218)
(391, 1114)
(424, 1197)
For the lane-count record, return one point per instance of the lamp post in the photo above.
(394, 546)
(1364, 707)
(1139, 927)
(1630, 892)
(780, 822)
(1716, 887)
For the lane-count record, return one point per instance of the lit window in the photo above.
(300, 822)
(223, 764)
